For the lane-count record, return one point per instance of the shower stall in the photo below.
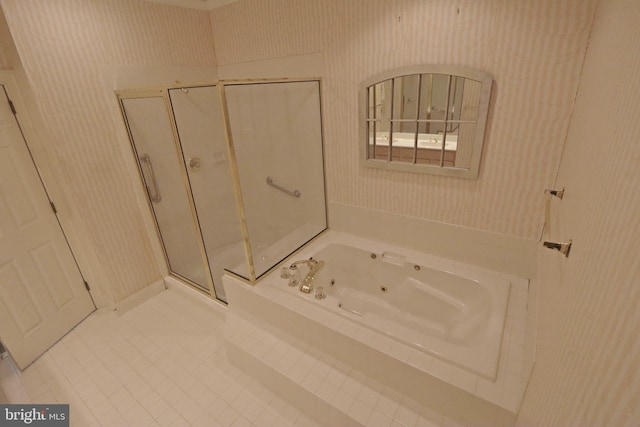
(233, 172)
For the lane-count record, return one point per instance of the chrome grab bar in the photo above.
(154, 193)
(294, 193)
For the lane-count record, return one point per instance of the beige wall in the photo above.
(534, 49)
(588, 367)
(70, 50)
(8, 54)
(587, 371)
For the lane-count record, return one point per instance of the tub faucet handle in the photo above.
(293, 281)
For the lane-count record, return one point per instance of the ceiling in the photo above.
(195, 4)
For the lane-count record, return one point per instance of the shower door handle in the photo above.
(152, 185)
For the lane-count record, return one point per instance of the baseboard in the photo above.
(139, 297)
(176, 284)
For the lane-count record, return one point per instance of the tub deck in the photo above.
(456, 315)
(277, 316)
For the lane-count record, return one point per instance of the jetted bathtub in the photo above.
(452, 311)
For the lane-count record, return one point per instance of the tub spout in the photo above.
(314, 266)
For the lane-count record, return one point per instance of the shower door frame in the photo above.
(163, 92)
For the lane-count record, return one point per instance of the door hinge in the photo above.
(53, 208)
(86, 285)
(13, 107)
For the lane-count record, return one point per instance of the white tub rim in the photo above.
(462, 269)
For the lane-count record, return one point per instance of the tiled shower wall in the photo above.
(534, 49)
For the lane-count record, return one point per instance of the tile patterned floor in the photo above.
(160, 364)
(352, 392)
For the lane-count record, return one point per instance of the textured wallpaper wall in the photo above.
(534, 49)
(68, 48)
(587, 371)
(7, 50)
(588, 367)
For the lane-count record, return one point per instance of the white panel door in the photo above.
(42, 294)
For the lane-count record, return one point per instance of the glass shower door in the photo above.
(201, 132)
(234, 174)
(153, 141)
(277, 137)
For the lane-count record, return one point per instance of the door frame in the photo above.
(9, 80)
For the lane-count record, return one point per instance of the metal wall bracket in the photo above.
(563, 248)
(557, 193)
